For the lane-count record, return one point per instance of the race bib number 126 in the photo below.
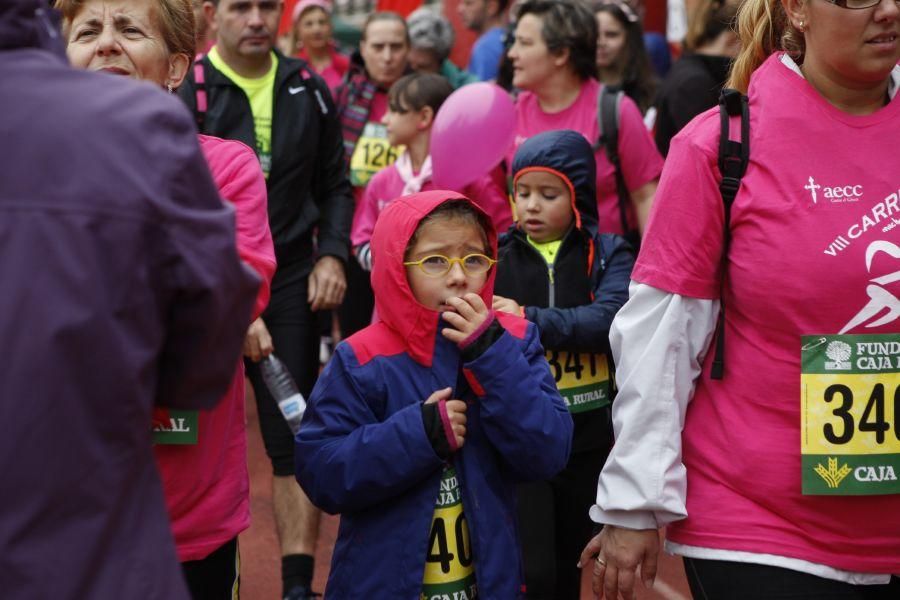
(850, 414)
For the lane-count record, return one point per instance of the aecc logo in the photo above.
(837, 193)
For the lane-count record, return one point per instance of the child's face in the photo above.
(454, 239)
(543, 206)
(402, 125)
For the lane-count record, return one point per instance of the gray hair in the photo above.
(430, 31)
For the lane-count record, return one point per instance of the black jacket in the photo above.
(307, 185)
(691, 87)
(574, 307)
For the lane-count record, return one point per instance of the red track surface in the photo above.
(260, 557)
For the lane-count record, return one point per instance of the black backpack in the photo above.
(608, 118)
(733, 158)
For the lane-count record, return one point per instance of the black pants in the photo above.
(554, 526)
(216, 577)
(356, 310)
(724, 580)
(295, 335)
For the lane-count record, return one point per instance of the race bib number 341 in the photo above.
(850, 414)
(582, 379)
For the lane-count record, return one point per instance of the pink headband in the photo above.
(301, 7)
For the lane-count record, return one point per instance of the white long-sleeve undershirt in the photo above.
(658, 341)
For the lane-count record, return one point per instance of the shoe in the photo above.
(301, 592)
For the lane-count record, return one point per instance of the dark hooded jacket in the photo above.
(363, 450)
(572, 302)
(121, 289)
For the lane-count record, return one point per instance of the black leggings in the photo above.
(355, 312)
(216, 577)
(554, 526)
(295, 335)
(725, 580)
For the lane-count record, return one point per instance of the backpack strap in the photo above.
(202, 100)
(734, 155)
(307, 78)
(200, 94)
(608, 107)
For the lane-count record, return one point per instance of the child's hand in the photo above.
(508, 305)
(470, 313)
(456, 413)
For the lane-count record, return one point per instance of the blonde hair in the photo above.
(175, 19)
(763, 28)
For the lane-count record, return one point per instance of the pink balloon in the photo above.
(473, 131)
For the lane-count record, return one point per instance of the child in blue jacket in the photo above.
(558, 272)
(422, 424)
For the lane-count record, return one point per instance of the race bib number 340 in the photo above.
(850, 414)
(449, 565)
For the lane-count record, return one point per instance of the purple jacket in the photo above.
(120, 288)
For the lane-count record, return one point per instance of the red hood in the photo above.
(416, 324)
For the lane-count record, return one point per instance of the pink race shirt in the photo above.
(206, 484)
(641, 161)
(815, 251)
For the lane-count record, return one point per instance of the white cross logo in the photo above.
(812, 187)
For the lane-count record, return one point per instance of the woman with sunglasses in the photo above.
(781, 478)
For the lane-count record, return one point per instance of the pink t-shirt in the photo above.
(489, 193)
(206, 484)
(814, 243)
(641, 161)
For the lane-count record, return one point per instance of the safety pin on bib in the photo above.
(815, 344)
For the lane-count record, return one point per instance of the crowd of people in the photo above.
(654, 311)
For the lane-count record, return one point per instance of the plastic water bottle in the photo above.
(282, 387)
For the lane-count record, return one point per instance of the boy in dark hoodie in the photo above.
(422, 424)
(558, 272)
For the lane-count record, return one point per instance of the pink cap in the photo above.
(301, 7)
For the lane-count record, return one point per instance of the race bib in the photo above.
(373, 152)
(174, 426)
(581, 378)
(850, 414)
(449, 567)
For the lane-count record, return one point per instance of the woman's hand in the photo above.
(469, 313)
(258, 342)
(616, 553)
(508, 305)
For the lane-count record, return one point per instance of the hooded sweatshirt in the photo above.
(574, 299)
(363, 450)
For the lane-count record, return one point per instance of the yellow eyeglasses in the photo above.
(438, 265)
